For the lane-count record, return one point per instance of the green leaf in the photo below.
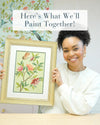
(26, 84)
(37, 62)
(18, 85)
(37, 54)
(37, 57)
(32, 87)
(34, 64)
(35, 76)
(16, 73)
(26, 69)
(34, 59)
(40, 78)
(41, 65)
(22, 63)
(35, 71)
(31, 72)
(22, 84)
(2, 12)
(3, 4)
(28, 73)
(19, 74)
(26, 89)
(33, 54)
(40, 69)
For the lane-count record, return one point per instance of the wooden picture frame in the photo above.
(28, 70)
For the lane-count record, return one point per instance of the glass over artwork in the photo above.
(29, 72)
(28, 65)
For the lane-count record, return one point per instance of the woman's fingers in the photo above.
(55, 73)
(1, 64)
(2, 74)
(1, 71)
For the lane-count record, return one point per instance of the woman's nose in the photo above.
(71, 53)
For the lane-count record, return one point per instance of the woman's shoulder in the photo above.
(92, 74)
(92, 71)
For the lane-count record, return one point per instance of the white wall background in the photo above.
(92, 59)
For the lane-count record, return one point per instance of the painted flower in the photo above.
(1, 52)
(47, 0)
(30, 67)
(25, 8)
(35, 81)
(31, 58)
(20, 68)
(9, 28)
(47, 8)
(33, 2)
(11, 18)
(30, 39)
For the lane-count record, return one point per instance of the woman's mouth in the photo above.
(73, 60)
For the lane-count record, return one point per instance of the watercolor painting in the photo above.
(29, 72)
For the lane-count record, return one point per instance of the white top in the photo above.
(78, 94)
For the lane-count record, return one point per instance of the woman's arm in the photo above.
(78, 103)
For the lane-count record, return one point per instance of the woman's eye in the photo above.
(75, 49)
(65, 50)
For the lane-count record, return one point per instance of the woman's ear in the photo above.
(84, 50)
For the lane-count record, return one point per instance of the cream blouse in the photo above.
(78, 94)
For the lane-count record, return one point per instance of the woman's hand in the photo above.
(56, 77)
(1, 72)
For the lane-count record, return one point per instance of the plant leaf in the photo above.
(33, 87)
(26, 84)
(18, 85)
(22, 84)
(40, 69)
(28, 73)
(35, 76)
(26, 89)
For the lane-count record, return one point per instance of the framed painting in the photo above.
(28, 69)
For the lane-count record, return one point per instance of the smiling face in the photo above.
(73, 52)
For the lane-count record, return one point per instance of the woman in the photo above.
(77, 86)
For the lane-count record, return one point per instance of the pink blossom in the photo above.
(35, 81)
(30, 39)
(1, 52)
(9, 28)
(33, 2)
(31, 58)
(47, 8)
(30, 67)
(11, 18)
(20, 68)
(25, 8)
(47, 0)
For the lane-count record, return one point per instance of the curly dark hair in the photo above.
(84, 36)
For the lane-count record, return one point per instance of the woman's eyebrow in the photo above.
(75, 46)
(72, 46)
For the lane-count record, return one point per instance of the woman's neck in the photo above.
(77, 68)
